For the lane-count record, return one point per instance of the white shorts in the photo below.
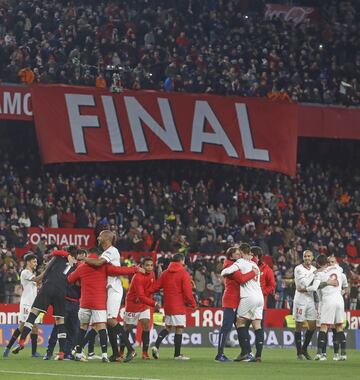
(113, 303)
(251, 308)
(133, 318)
(95, 316)
(175, 320)
(304, 312)
(332, 312)
(24, 312)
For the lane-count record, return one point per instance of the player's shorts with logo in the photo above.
(332, 310)
(251, 308)
(175, 320)
(50, 296)
(90, 316)
(304, 311)
(113, 302)
(133, 318)
(24, 312)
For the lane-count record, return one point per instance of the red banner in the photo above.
(81, 237)
(95, 125)
(290, 13)
(15, 103)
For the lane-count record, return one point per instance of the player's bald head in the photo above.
(107, 235)
(307, 253)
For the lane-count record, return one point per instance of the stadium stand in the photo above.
(189, 46)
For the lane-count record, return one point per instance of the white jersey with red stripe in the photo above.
(250, 288)
(333, 272)
(303, 276)
(29, 287)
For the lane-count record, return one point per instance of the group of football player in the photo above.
(318, 302)
(99, 301)
(85, 291)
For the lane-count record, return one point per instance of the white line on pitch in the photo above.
(72, 375)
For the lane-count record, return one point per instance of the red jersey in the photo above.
(138, 297)
(267, 281)
(231, 296)
(176, 283)
(93, 282)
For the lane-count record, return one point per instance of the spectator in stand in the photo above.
(67, 219)
(200, 282)
(185, 46)
(351, 250)
(170, 213)
(11, 280)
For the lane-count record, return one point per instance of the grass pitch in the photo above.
(278, 364)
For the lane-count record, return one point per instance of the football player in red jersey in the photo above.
(176, 284)
(138, 302)
(93, 298)
(231, 299)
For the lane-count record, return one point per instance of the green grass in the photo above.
(278, 364)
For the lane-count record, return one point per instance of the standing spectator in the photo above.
(26, 75)
(67, 219)
(11, 280)
(218, 284)
(200, 282)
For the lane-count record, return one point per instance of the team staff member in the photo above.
(176, 284)
(138, 302)
(72, 302)
(93, 281)
(29, 284)
(53, 293)
(251, 303)
(114, 292)
(267, 278)
(231, 299)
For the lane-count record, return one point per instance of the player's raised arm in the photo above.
(242, 278)
(95, 262)
(315, 285)
(229, 270)
(74, 276)
(112, 270)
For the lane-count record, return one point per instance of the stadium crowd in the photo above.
(191, 46)
(175, 210)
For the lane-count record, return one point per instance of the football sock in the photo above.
(321, 341)
(124, 336)
(326, 342)
(52, 341)
(222, 341)
(34, 338)
(307, 340)
(259, 342)
(27, 328)
(244, 339)
(12, 340)
(80, 340)
(103, 340)
(61, 335)
(122, 344)
(177, 342)
(90, 340)
(335, 341)
(298, 342)
(113, 341)
(162, 334)
(145, 337)
(342, 341)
